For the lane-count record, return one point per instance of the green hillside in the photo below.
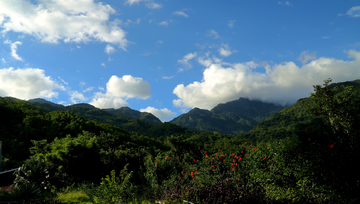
(232, 117)
(283, 123)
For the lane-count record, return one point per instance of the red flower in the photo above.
(149, 158)
(255, 148)
(233, 169)
(155, 164)
(299, 154)
(233, 154)
(205, 162)
(165, 158)
(240, 158)
(219, 150)
(207, 157)
(241, 151)
(194, 159)
(309, 139)
(177, 158)
(264, 158)
(213, 166)
(250, 145)
(213, 170)
(232, 164)
(181, 172)
(331, 146)
(245, 155)
(180, 177)
(245, 142)
(233, 160)
(236, 164)
(227, 179)
(216, 153)
(213, 158)
(205, 152)
(196, 171)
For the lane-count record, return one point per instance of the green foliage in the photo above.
(230, 118)
(114, 189)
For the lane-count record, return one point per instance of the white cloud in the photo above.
(3, 60)
(186, 58)
(165, 23)
(118, 90)
(13, 47)
(103, 64)
(131, 2)
(282, 83)
(27, 84)
(109, 49)
(88, 89)
(213, 33)
(180, 13)
(63, 81)
(205, 62)
(305, 56)
(163, 114)
(70, 21)
(231, 23)
(353, 12)
(165, 77)
(76, 96)
(225, 50)
(153, 5)
(325, 37)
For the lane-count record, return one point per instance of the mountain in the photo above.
(282, 124)
(128, 113)
(232, 117)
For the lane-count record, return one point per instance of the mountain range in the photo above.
(250, 119)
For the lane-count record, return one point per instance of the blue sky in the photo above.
(166, 57)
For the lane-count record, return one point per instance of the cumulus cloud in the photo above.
(282, 83)
(27, 84)
(13, 47)
(118, 90)
(109, 49)
(231, 23)
(76, 96)
(163, 114)
(103, 64)
(225, 51)
(180, 13)
(70, 21)
(353, 12)
(185, 60)
(305, 56)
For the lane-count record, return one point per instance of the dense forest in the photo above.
(306, 153)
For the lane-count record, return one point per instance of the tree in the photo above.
(339, 110)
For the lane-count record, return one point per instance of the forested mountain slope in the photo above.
(232, 117)
(283, 123)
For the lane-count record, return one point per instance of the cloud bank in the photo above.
(70, 21)
(281, 83)
(27, 84)
(118, 90)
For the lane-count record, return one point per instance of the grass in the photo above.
(76, 197)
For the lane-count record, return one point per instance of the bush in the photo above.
(113, 189)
